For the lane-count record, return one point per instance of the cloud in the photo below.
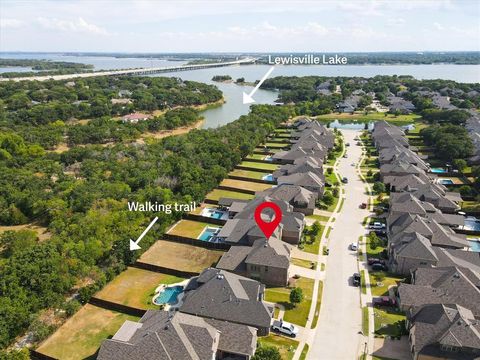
(438, 26)
(11, 23)
(78, 25)
(395, 21)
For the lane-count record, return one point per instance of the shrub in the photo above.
(296, 296)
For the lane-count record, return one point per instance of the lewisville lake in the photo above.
(233, 107)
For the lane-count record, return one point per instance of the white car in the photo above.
(377, 225)
(354, 246)
(285, 328)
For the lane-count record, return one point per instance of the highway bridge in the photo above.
(137, 71)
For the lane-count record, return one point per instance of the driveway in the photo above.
(338, 333)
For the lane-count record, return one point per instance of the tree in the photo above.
(379, 187)
(460, 164)
(267, 353)
(316, 227)
(296, 296)
(328, 198)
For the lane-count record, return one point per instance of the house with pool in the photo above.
(175, 335)
(221, 295)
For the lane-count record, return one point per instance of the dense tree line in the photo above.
(81, 195)
(46, 67)
(449, 141)
(40, 103)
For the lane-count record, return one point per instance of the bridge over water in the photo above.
(138, 71)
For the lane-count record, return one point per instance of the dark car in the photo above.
(363, 205)
(384, 301)
(378, 267)
(344, 180)
(356, 279)
(372, 261)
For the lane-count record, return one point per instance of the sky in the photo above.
(239, 26)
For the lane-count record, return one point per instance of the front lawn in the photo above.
(285, 345)
(380, 281)
(319, 218)
(81, 335)
(305, 263)
(389, 322)
(281, 295)
(310, 246)
(135, 287)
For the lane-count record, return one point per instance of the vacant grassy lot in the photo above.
(181, 257)
(249, 174)
(285, 345)
(263, 166)
(281, 295)
(380, 281)
(135, 287)
(189, 228)
(246, 185)
(83, 333)
(389, 321)
(217, 194)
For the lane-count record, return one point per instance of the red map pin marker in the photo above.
(268, 227)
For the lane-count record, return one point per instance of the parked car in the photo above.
(363, 205)
(372, 261)
(345, 155)
(347, 144)
(356, 279)
(379, 267)
(354, 246)
(384, 301)
(377, 225)
(344, 180)
(285, 328)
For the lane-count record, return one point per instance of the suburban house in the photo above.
(404, 182)
(178, 336)
(222, 295)
(432, 193)
(450, 285)
(300, 167)
(135, 118)
(398, 104)
(267, 261)
(308, 180)
(444, 331)
(301, 199)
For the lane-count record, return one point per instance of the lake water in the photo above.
(234, 108)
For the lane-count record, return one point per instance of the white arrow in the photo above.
(247, 98)
(134, 244)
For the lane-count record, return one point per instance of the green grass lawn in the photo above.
(320, 218)
(262, 166)
(304, 353)
(81, 335)
(245, 185)
(365, 320)
(281, 295)
(217, 194)
(389, 321)
(256, 156)
(362, 282)
(249, 174)
(305, 263)
(331, 178)
(285, 345)
(189, 228)
(380, 281)
(318, 305)
(313, 247)
(135, 287)
(275, 145)
(373, 116)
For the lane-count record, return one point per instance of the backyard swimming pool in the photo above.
(438, 170)
(208, 233)
(445, 181)
(169, 295)
(474, 245)
(268, 158)
(472, 223)
(268, 177)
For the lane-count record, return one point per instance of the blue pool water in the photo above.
(268, 158)
(268, 177)
(438, 170)
(168, 295)
(445, 181)
(207, 233)
(472, 223)
(217, 214)
(474, 245)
